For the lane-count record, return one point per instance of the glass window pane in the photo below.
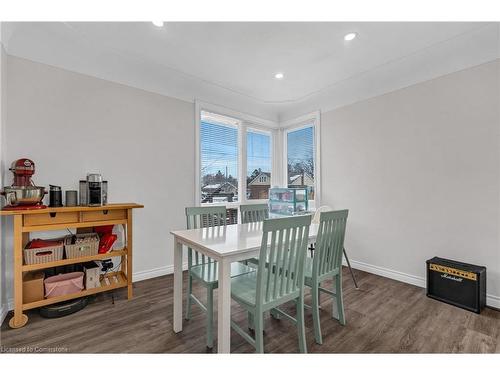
(258, 164)
(219, 159)
(300, 159)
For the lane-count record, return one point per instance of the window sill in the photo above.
(235, 204)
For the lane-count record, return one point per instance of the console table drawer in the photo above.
(104, 215)
(51, 218)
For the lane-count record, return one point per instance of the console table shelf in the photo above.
(51, 218)
(65, 262)
(115, 280)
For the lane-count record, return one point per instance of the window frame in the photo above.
(246, 121)
(311, 119)
(267, 131)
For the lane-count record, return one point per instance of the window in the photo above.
(218, 158)
(258, 164)
(234, 156)
(301, 158)
(239, 156)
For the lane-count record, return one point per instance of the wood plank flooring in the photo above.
(383, 316)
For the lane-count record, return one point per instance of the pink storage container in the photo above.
(63, 284)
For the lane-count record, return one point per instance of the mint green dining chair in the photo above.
(204, 268)
(280, 280)
(252, 213)
(326, 264)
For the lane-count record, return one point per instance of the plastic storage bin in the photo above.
(66, 283)
(288, 201)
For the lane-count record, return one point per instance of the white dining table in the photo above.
(225, 244)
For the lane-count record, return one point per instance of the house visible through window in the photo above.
(258, 164)
(218, 158)
(300, 158)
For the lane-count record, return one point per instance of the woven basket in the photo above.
(82, 250)
(43, 254)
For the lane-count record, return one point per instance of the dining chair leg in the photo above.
(259, 332)
(188, 297)
(275, 314)
(301, 330)
(251, 323)
(315, 312)
(210, 317)
(350, 269)
(339, 299)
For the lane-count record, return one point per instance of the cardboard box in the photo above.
(92, 275)
(33, 289)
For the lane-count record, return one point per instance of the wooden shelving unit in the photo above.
(28, 221)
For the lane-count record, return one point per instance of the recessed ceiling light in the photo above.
(350, 36)
(158, 23)
(279, 76)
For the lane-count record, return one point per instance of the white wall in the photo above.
(143, 143)
(419, 170)
(3, 280)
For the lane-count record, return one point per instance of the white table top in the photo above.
(228, 240)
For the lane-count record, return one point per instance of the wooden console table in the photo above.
(51, 218)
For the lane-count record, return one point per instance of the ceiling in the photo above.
(233, 64)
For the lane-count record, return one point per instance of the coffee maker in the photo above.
(93, 190)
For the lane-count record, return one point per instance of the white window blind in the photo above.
(218, 158)
(300, 158)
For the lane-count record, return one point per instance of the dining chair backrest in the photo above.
(203, 217)
(329, 242)
(318, 212)
(284, 245)
(252, 213)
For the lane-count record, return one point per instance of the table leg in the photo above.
(224, 308)
(177, 286)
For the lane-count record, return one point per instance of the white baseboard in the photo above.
(390, 274)
(155, 272)
(3, 312)
(491, 300)
(5, 308)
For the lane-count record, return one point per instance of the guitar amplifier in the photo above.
(459, 284)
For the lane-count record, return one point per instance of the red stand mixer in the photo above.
(23, 194)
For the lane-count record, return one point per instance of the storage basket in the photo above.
(43, 254)
(82, 249)
(66, 283)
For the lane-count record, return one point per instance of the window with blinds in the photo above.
(218, 158)
(300, 158)
(258, 164)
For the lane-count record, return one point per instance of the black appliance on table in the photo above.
(459, 284)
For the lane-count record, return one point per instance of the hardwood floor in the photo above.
(383, 316)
